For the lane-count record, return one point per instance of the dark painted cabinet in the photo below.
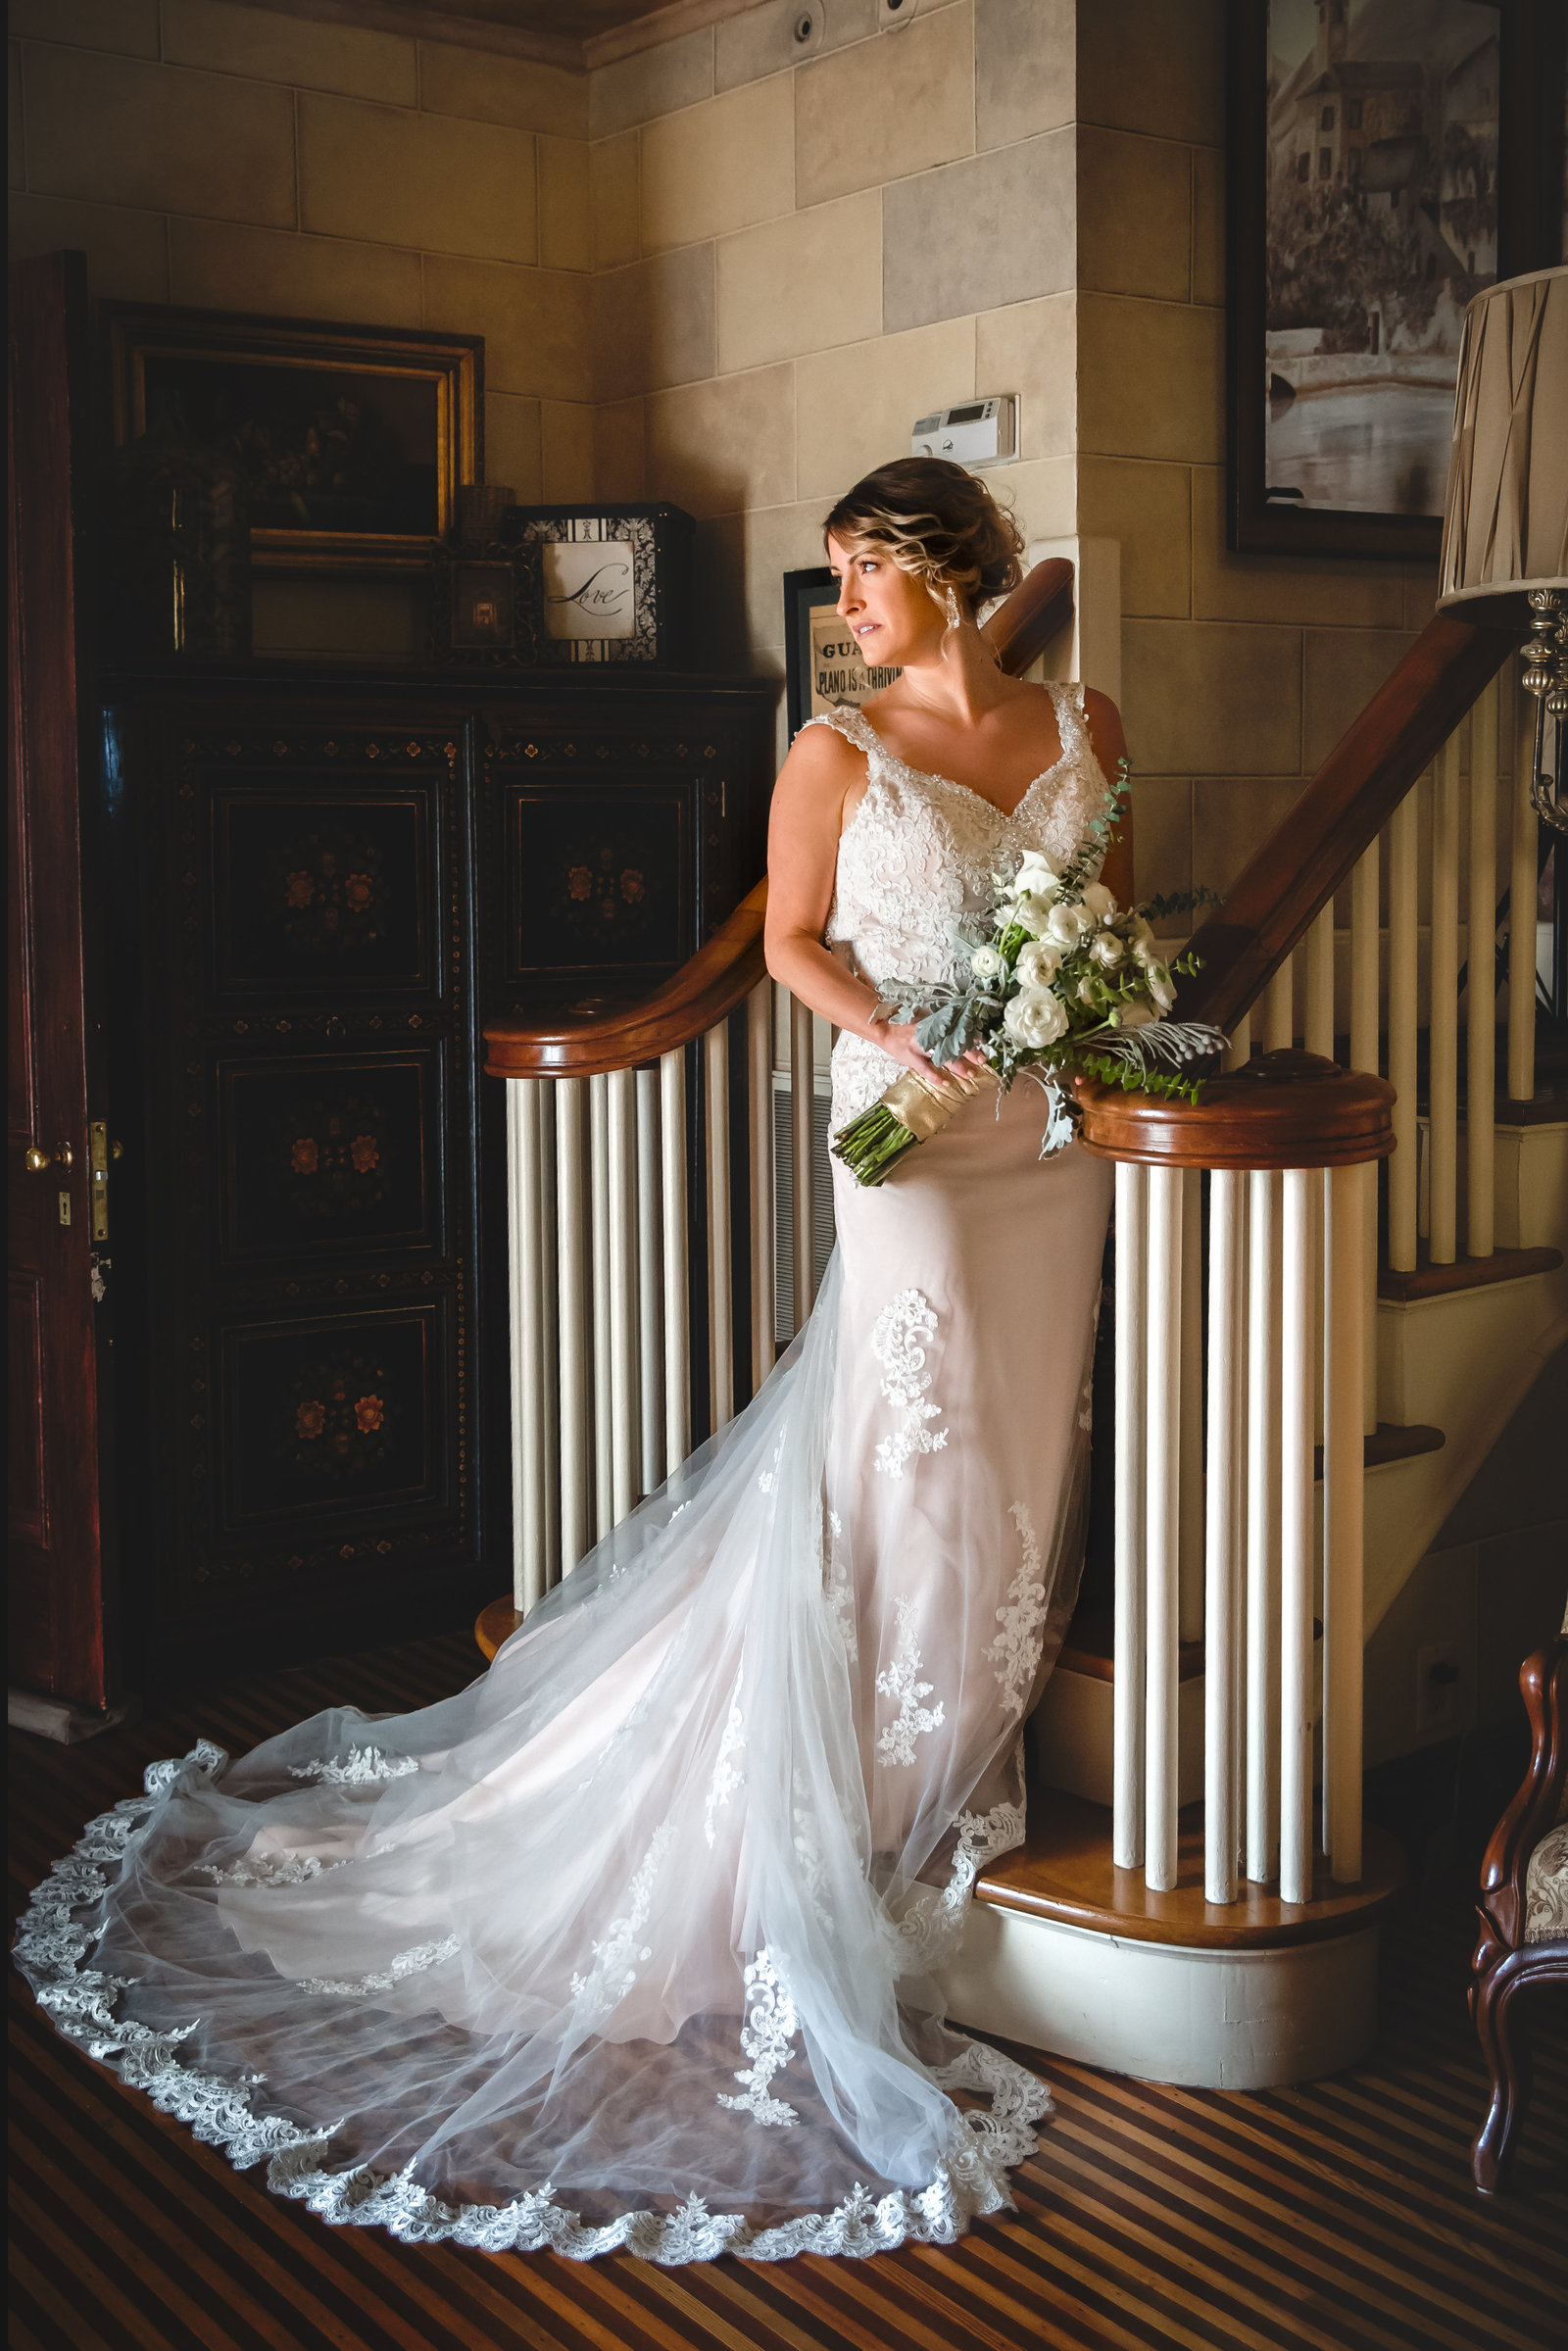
(324, 883)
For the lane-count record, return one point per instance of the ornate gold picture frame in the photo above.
(354, 440)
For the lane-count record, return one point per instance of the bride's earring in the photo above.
(949, 604)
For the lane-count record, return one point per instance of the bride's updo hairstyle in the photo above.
(937, 522)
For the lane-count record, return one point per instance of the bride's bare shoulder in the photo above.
(823, 769)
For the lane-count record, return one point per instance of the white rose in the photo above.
(1144, 950)
(1108, 950)
(1160, 986)
(1098, 900)
(1068, 925)
(988, 964)
(1035, 1018)
(1038, 963)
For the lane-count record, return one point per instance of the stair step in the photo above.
(1388, 1442)
(1091, 1649)
(1427, 1280)
(1065, 1871)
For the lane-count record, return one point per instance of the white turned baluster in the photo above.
(1240, 1046)
(599, 1166)
(720, 1312)
(1127, 1688)
(1521, 906)
(1403, 941)
(530, 1270)
(1279, 1014)
(650, 1364)
(1221, 1626)
(1481, 988)
(1364, 946)
(1443, 1081)
(1162, 1534)
(572, 1272)
(1343, 1490)
(760, 1122)
(624, 1413)
(803, 1092)
(1318, 1028)
(550, 1345)
(1190, 1406)
(677, 1289)
(1262, 1521)
(1299, 1322)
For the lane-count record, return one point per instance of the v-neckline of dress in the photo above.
(931, 776)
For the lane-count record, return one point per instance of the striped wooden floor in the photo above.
(1338, 2216)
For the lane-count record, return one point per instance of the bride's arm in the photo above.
(816, 783)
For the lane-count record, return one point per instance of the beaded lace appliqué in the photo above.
(413, 1962)
(904, 1322)
(727, 1773)
(617, 1958)
(269, 1869)
(933, 1920)
(1015, 1651)
(765, 2036)
(359, 1769)
(901, 1680)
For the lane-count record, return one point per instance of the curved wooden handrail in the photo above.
(1283, 1110)
(1311, 853)
(723, 972)
(703, 991)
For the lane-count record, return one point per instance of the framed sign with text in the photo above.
(822, 668)
(613, 583)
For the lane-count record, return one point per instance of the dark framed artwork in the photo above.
(823, 671)
(352, 441)
(1387, 160)
(611, 582)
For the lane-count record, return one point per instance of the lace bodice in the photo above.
(920, 850)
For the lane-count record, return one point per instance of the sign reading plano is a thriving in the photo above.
(838, 673)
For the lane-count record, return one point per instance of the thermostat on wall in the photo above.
(982, 432)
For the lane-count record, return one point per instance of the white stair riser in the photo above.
(1074, 1742)
(1211, 2020)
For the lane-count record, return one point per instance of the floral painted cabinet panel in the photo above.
(322, 887)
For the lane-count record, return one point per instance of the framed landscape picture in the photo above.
(353, 440)
(1387, 160)
(822, 670)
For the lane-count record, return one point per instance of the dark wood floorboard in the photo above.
(1337, 2217)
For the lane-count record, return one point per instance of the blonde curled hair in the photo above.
(935, 522)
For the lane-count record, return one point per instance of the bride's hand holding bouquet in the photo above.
(1061, 982)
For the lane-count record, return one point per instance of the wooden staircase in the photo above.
(1101, 1938)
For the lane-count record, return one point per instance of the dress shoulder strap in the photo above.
(1067, 700)
(846, 720)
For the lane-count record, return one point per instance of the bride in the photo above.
(636, 1942)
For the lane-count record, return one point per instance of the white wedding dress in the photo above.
(633, 1942)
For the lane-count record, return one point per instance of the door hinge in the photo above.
(98, 1155)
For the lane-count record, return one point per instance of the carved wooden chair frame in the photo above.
(1505, 1968)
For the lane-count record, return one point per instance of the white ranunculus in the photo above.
(1160, 986)
(1088, 993)
(1098, 900)
(1038, 963)
(1032, 914)
(1108, 950)
(1133, 1016)
(1068, 924)
(1144, 951)
(1035, 1018)
(988, 964)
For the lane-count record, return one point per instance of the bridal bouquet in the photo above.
(1062, 982)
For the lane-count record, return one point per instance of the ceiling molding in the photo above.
(666, 23)
(660, 24)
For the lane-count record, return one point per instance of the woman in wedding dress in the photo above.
(636, 1942)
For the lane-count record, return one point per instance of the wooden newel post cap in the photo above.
(1283, 1110)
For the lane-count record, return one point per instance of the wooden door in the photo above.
(58, 1419)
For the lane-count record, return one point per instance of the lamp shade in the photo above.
(1506, 527)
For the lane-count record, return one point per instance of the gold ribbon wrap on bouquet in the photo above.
(925, 1109)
